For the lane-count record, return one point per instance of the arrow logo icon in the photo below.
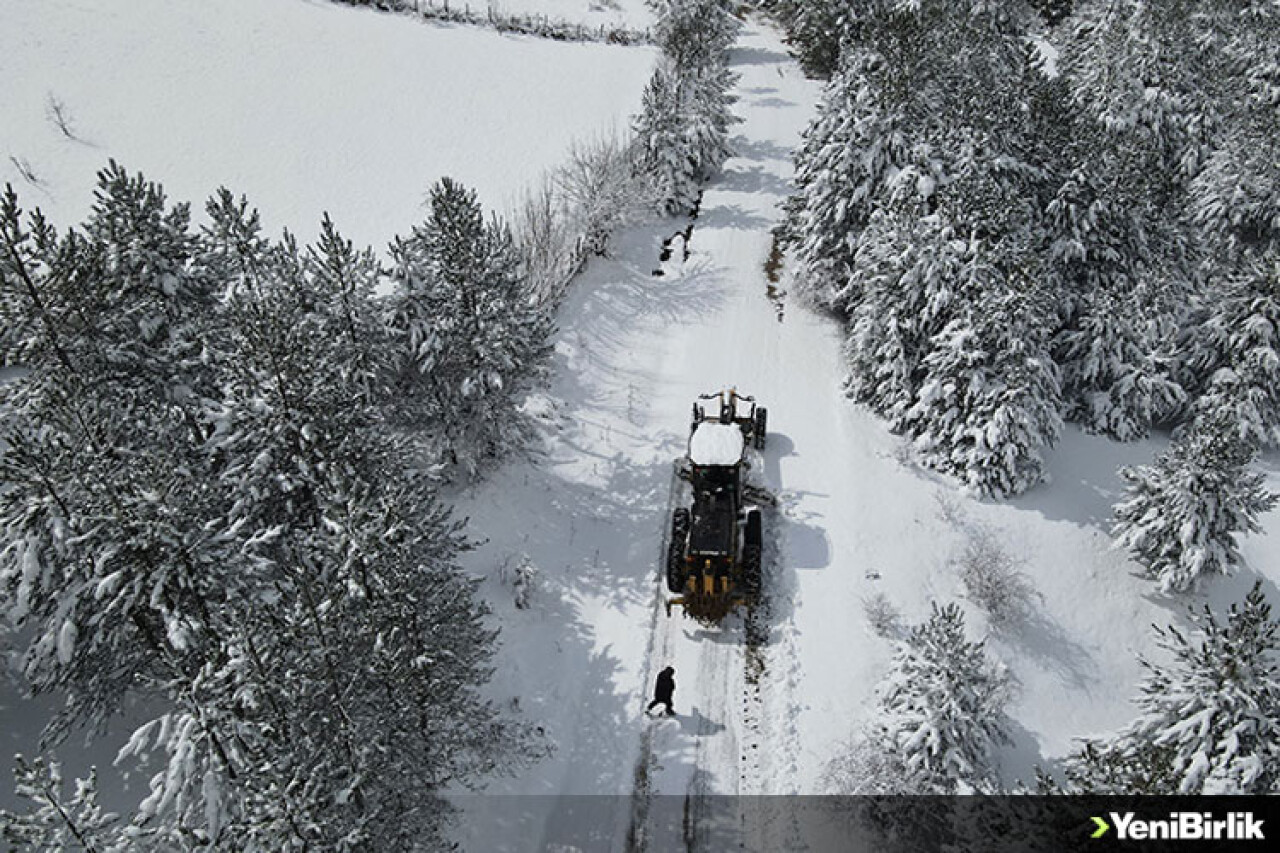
(1103, 826)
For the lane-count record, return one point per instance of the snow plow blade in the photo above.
(708, 608)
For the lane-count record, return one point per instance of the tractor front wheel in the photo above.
(762, 422)
(752, 554)
(675, 550)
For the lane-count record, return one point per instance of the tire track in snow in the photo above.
(742, 677)
(657, 651)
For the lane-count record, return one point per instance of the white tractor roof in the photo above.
(714, 443)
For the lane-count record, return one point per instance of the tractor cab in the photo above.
(733, 408)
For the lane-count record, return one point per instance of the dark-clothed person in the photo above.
(664, 690)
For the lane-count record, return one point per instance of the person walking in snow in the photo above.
(664, 690)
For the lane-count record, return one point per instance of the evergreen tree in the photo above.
(941, 709)
(694, 35)
(348, 686)
(1119, 302)
(665, 152)
(919, 196)
(471, 340)
(105, 565)
(1236, 196)
(1122, 255)
(1210, 718)
(682, 130)
(1180, 516)
(205, 502)
(1053, 11)
(1233, 353)
(56, 821)
(706, 105)
(1119, 369)
(911, 274)
(816, 30)
(856, 152)
(988, 401)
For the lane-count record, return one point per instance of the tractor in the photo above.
(715, 551)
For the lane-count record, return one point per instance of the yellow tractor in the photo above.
(716, 546)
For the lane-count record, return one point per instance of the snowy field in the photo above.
(305, 107)
(634, 14)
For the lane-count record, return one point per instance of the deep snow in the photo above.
(241, 94)
(633, 14)
(305, 107)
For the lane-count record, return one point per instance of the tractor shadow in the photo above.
(792, 544)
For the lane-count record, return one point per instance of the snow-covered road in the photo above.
(635, 349)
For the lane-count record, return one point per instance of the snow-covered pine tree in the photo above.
(911, 273)
(1236, 197)
(988, 402)
(1191, 90)
(1119, 302)
(917, 211)
(1053, 11)
(665, 152)
(348, 684)
(1122, 258)
(817, 31)
(940, 710)
(57, 820)
(914, 107)
(471, 339)
(682, 130)
(1138, 68)
(855, 152)
(706, 107)
(105, 565)
(1119, 368)
(1180, 516)
(694, 35)
(1210, 717)
(1232, 354)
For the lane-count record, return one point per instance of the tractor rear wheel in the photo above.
(675, 550)
(752, 554)
(762, 422)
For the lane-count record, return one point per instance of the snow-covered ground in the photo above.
(634, 14)
(855, 517)
(312, 106)
(305, 107)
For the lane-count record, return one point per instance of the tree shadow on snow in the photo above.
(1043, 640)
(1085, 481)
(761, 150)
(756, 56)
(732, 215)
(772, 102)
(1020, 759)
(1219, 592)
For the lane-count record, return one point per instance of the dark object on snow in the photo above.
(714, 554)
(664, 690)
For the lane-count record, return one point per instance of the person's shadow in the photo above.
(696, 724)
